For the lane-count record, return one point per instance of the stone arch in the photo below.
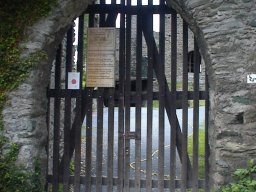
(227, 41)
(218, 30)
(24, 114)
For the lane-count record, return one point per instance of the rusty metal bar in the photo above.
(88, 168)
(121, 100)
(80, 61)
(196, 117)
(56, 131)
(99, 148)
(67, 117)
(132, 182)
(149, 101)
(127, 93)
(167, 97)
(132, 10)
(111, 138)
(111, 21)
(88, 152)
(99, 140)
(179, 94)
(184, 167)
(138, 99)
(162, 85)
(173, 96)
(207, 147)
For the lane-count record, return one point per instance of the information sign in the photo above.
(100, 67)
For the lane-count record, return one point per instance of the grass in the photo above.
(201, 152)
(190, 103)
(178, 88)
(155, 104)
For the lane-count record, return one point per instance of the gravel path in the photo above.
(143, 140)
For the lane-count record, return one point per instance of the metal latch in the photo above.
(130, 135)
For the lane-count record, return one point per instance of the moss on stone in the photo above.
(242, 100)
(17, 15)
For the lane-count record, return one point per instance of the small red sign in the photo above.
(73, 81)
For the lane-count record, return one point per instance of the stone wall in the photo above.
(24, 114)
(226, 32)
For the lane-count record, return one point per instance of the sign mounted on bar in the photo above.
(73, 80)
(100, 67)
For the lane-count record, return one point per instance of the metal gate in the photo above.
(144, 134)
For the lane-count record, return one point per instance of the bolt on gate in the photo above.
(142, 134)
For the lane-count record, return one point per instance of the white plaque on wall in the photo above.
(73, 80)
(100, 67)
(251, 78)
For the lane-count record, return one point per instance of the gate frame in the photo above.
(166, 97)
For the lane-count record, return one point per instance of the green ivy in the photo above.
(245, 180)
(13, 178)
(15, 16)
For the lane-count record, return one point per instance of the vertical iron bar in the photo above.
(100, 124)
(149, 20)
(138, 99)
(121, 100)
(88, 140)
(127, 98)
(80, 62)
(111, 108)
(167, 96)
(184, 167)
(48, 115)
(88, 169)
(161, 140)
(173, 96)
(99, 140)
(67, 123)
(102, 15)
(56, 137)
(195, 117)
(207, 147)
(111, 138)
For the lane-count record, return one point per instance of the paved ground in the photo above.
(143, 139)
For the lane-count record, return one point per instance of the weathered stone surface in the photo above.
(25, 111)
(226, 34)
(253, 22)
(228, 42)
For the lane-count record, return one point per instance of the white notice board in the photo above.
(73, 80)
(100, 67)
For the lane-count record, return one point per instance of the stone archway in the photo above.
(223, 36)
(24, 114)
(226, 34)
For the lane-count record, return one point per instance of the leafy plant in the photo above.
(16, 16)
(14, 178)
(244, 180)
